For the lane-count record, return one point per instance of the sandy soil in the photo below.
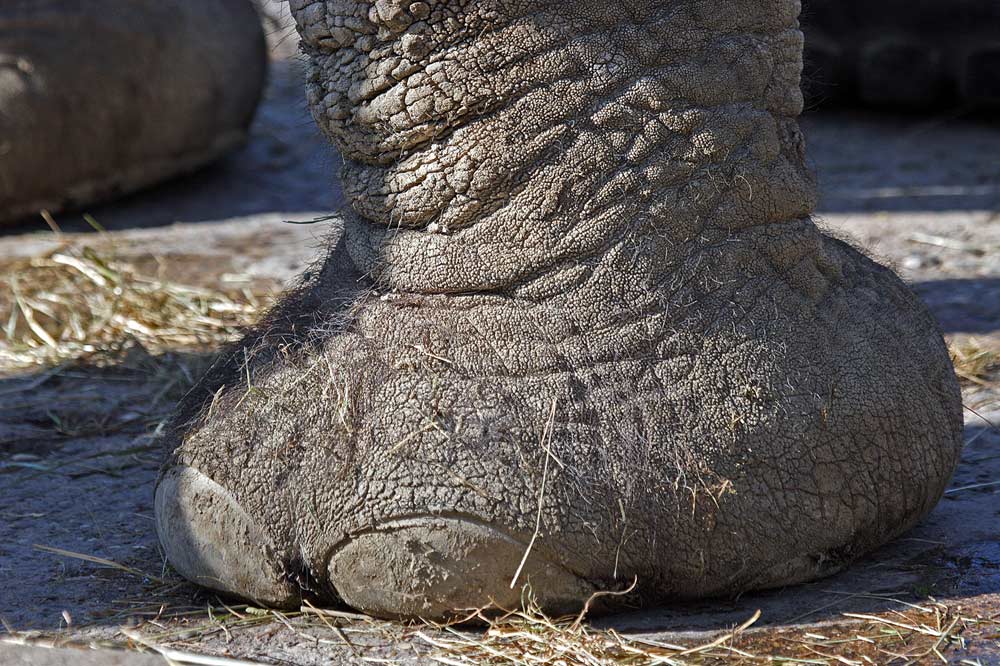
(922, 194)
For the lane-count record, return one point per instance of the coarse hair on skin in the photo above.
(579, 329)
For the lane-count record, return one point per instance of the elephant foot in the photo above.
(422, 566)
(577, 309)
(102, 98)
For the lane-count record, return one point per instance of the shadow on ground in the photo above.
(78, 465)
(871, 162)
(77, 468)
(286, 167)
(963, 305)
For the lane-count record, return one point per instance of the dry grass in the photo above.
(94, 343)
(83, 304)
(976, 363)
(907, 634)
(81, 301)
(530, 637)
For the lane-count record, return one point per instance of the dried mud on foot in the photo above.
(79, 559)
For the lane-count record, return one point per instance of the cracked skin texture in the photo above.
(577, 282)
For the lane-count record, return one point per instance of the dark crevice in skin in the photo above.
(722, 391)
(577, 119)
(299, 574)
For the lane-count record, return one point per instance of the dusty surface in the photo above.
(921, 194)
(17, 655)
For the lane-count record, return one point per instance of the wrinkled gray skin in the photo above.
(103, 97)
(578, 283)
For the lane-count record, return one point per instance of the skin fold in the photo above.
(577, 330)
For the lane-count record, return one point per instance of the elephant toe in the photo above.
(210, 540)
(433, 568)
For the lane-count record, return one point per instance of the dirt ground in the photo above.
(77, 460)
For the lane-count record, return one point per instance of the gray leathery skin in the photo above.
(99, 98)
(577, 278)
